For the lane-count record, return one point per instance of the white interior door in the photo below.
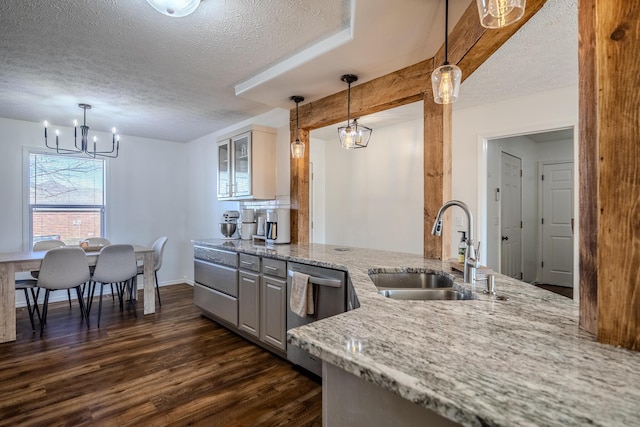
(557, 213)
(511, 216)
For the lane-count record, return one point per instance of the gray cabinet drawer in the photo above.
(216, 256)
(216, 303)
(250, 262)
(223, 279)
(274, 267)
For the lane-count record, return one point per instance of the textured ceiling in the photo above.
(146, 73)
(176, 79)
(542, 55)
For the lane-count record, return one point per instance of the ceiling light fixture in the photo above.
(353, 135)
(175, 8)
(297, 146)
(500, 13)
(445, 80)
(84, 139)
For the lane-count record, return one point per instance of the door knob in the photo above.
(505, 238)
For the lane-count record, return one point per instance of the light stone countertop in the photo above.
(520, 362)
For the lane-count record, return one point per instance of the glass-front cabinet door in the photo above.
(224, 169)
(241, 185)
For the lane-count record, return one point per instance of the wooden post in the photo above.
(609, 97)
(437, 174)
(300, 188)
(588, 168)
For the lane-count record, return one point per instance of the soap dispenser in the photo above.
(462, 247)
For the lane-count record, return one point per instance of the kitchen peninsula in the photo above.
(520, 361)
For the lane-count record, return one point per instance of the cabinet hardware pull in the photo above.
(268, 267)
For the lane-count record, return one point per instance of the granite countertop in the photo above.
(523, 361)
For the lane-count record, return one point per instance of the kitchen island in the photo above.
(520, 361)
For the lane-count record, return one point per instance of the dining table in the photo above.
(14, 262)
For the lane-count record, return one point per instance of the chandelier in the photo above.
(84, 139)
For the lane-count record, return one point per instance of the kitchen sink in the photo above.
(403, 280)
(427, 294)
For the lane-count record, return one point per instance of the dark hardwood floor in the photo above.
(174, 368)
(564, 291)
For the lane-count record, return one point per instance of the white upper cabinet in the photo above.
(247, 164)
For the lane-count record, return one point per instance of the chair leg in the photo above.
(34, 294)
(45, 308)
(112, 296)
(69, 297)
(85, 316)
(26, 297)
(100, 304)
(132, 301)
(90, 293)
(155, 273)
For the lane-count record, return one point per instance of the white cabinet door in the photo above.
(224, 169)
(241, 165)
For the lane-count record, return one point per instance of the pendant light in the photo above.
(297, 147)
(445, 80)
(353, 135)
(500, 13)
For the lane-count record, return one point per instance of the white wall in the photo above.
(204, 209)
(472, 127)
(374, 196)
(532, 154)
(145, 193)
(317, 158)
(525, 149)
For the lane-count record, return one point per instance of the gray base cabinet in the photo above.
(216, 283)
(249, 297)
(246, 292)
(274, 312)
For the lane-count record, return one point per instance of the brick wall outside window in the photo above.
(70, 227)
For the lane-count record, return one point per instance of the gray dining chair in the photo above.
(116, 265)
(158, 253)
(45, 245)
(63, 268)
(96, 241)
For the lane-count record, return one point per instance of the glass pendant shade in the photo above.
(445, 81)
(297, 146)
(500, 13)
(354, 135)
(175, 8)
(297, 149)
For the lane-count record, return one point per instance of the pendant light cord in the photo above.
(349, 105)
(446, 33)
(297, 134)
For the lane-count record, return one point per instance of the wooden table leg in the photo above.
(149, 284)
(7, 302)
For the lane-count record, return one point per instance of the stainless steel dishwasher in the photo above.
(330, 298)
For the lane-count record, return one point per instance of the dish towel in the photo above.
(301, 300)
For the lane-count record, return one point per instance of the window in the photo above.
(66, 197)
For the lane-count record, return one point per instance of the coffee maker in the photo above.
(278, 227)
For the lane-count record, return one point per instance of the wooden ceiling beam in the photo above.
(470, 44)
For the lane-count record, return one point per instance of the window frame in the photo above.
(29, 208)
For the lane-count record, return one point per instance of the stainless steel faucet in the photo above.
(470, 259)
